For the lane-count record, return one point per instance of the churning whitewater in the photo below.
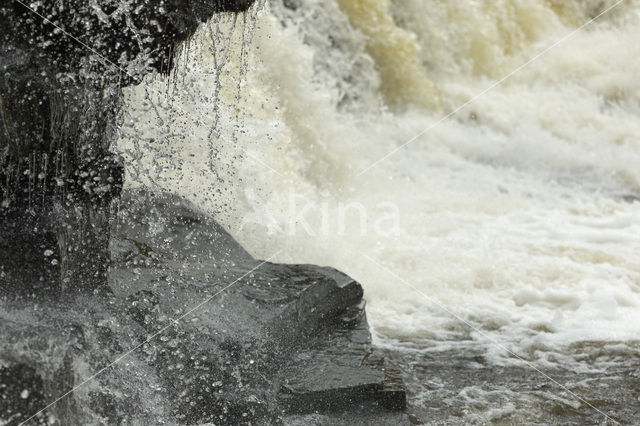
(516, 220)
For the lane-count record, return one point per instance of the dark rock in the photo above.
(120, 31)
(144, 308)
(33, 271)
(630, 198)
(170, 228)
(35, 368)
(300, 325)
(62, 66)
(54, 346)
(21, 393)
(291, 4)
(338, 371)
(244, 336)
(217, 336)
(415, 420)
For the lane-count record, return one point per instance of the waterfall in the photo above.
(515, 213)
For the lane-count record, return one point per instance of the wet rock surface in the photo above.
(64, 65)
(196, 331)
(339, 370)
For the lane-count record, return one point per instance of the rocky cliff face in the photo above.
(63, 65)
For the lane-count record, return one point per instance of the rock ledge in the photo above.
(282, 341)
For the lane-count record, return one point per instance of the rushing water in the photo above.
(511, 227)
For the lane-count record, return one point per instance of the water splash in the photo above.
(516, 212)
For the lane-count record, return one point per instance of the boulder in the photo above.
(210, 334)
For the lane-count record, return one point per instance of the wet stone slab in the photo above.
(340, 369)
(217, 336)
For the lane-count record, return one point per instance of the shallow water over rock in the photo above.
(456, 383)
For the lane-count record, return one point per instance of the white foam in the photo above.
(510, 212)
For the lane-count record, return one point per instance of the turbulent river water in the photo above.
(494, 221)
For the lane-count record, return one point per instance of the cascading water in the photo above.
(514, 221)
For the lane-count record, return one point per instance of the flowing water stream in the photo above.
(501, 240)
